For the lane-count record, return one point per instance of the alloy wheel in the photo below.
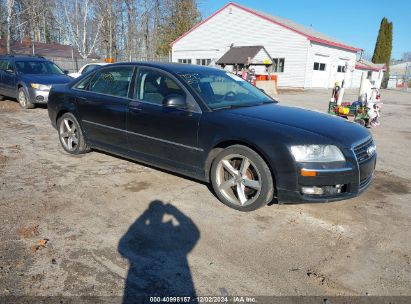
(69, 134)
(22, 99)
(238, 180)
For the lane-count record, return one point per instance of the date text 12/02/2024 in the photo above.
(221, 299)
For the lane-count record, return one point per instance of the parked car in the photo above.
(214, 126)
(29, 79)
(87, 68)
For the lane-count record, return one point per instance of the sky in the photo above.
(355, 22)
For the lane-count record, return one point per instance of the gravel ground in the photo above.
(101, 225)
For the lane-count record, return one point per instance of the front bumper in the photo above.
(37, 96)
(354, 177)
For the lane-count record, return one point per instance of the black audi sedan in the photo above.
(213, 126)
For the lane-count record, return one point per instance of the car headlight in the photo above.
(317, 153)
(41, 87)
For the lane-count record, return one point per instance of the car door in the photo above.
(9, 79)
(159, 133)
(3, 64)
(102, 100)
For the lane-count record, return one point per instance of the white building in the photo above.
(375, 73)
(400, 75)
(302, 57)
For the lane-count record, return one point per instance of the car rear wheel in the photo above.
(24, 100)
(241, 179)
(70, 135)
(1, 97)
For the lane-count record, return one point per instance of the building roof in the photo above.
(240, 54)
(368, 65)
(308, 32)
(42, 49)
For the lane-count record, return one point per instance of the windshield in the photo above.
(220, 89)
(38, 67)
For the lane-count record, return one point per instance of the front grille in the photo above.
(361, 151)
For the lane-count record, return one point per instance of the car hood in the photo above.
(46, 79)
(339, 130)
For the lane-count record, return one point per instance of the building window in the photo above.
(341, 69)
(188, 61)
(278, 65)
(369, 74)
(319, 66)
(203, 61)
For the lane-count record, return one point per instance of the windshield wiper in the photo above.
(235, 106)
(244, 105)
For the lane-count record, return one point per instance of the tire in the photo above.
(24, 100)
(241, 179)
(360, 121)
(71, 135)
(1, 97)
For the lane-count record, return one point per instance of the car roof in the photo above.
(96, 63)
(171, 67)
(24, 58)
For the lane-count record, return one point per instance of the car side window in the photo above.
(10, 66)
(112, 81)
(154, 86)
(89, 68)
(5, 64)
(82, 84)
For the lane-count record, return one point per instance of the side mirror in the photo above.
(175, 101)
(262, 90)
(66, 72)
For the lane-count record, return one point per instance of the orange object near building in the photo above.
(109, 60)
(343, 110)
(262, 77)
(265, 77)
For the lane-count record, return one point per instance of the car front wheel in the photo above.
(24, 100)
(241, 179)
(70, 135)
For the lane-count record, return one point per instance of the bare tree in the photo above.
(119, 29)
(131, 28)
(83, 25)
(9, 6)
(406, 56)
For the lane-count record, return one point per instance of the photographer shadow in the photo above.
(156, 246)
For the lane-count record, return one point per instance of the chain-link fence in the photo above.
(145, 58)
(73, 65)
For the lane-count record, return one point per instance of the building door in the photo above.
(320, 71)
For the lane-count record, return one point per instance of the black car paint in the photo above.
(186, 141)
(10, 82)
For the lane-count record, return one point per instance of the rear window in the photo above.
(38, 67)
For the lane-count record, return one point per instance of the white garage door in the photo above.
(320, 71)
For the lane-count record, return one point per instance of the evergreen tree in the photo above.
(383, 47)
(184, 14)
